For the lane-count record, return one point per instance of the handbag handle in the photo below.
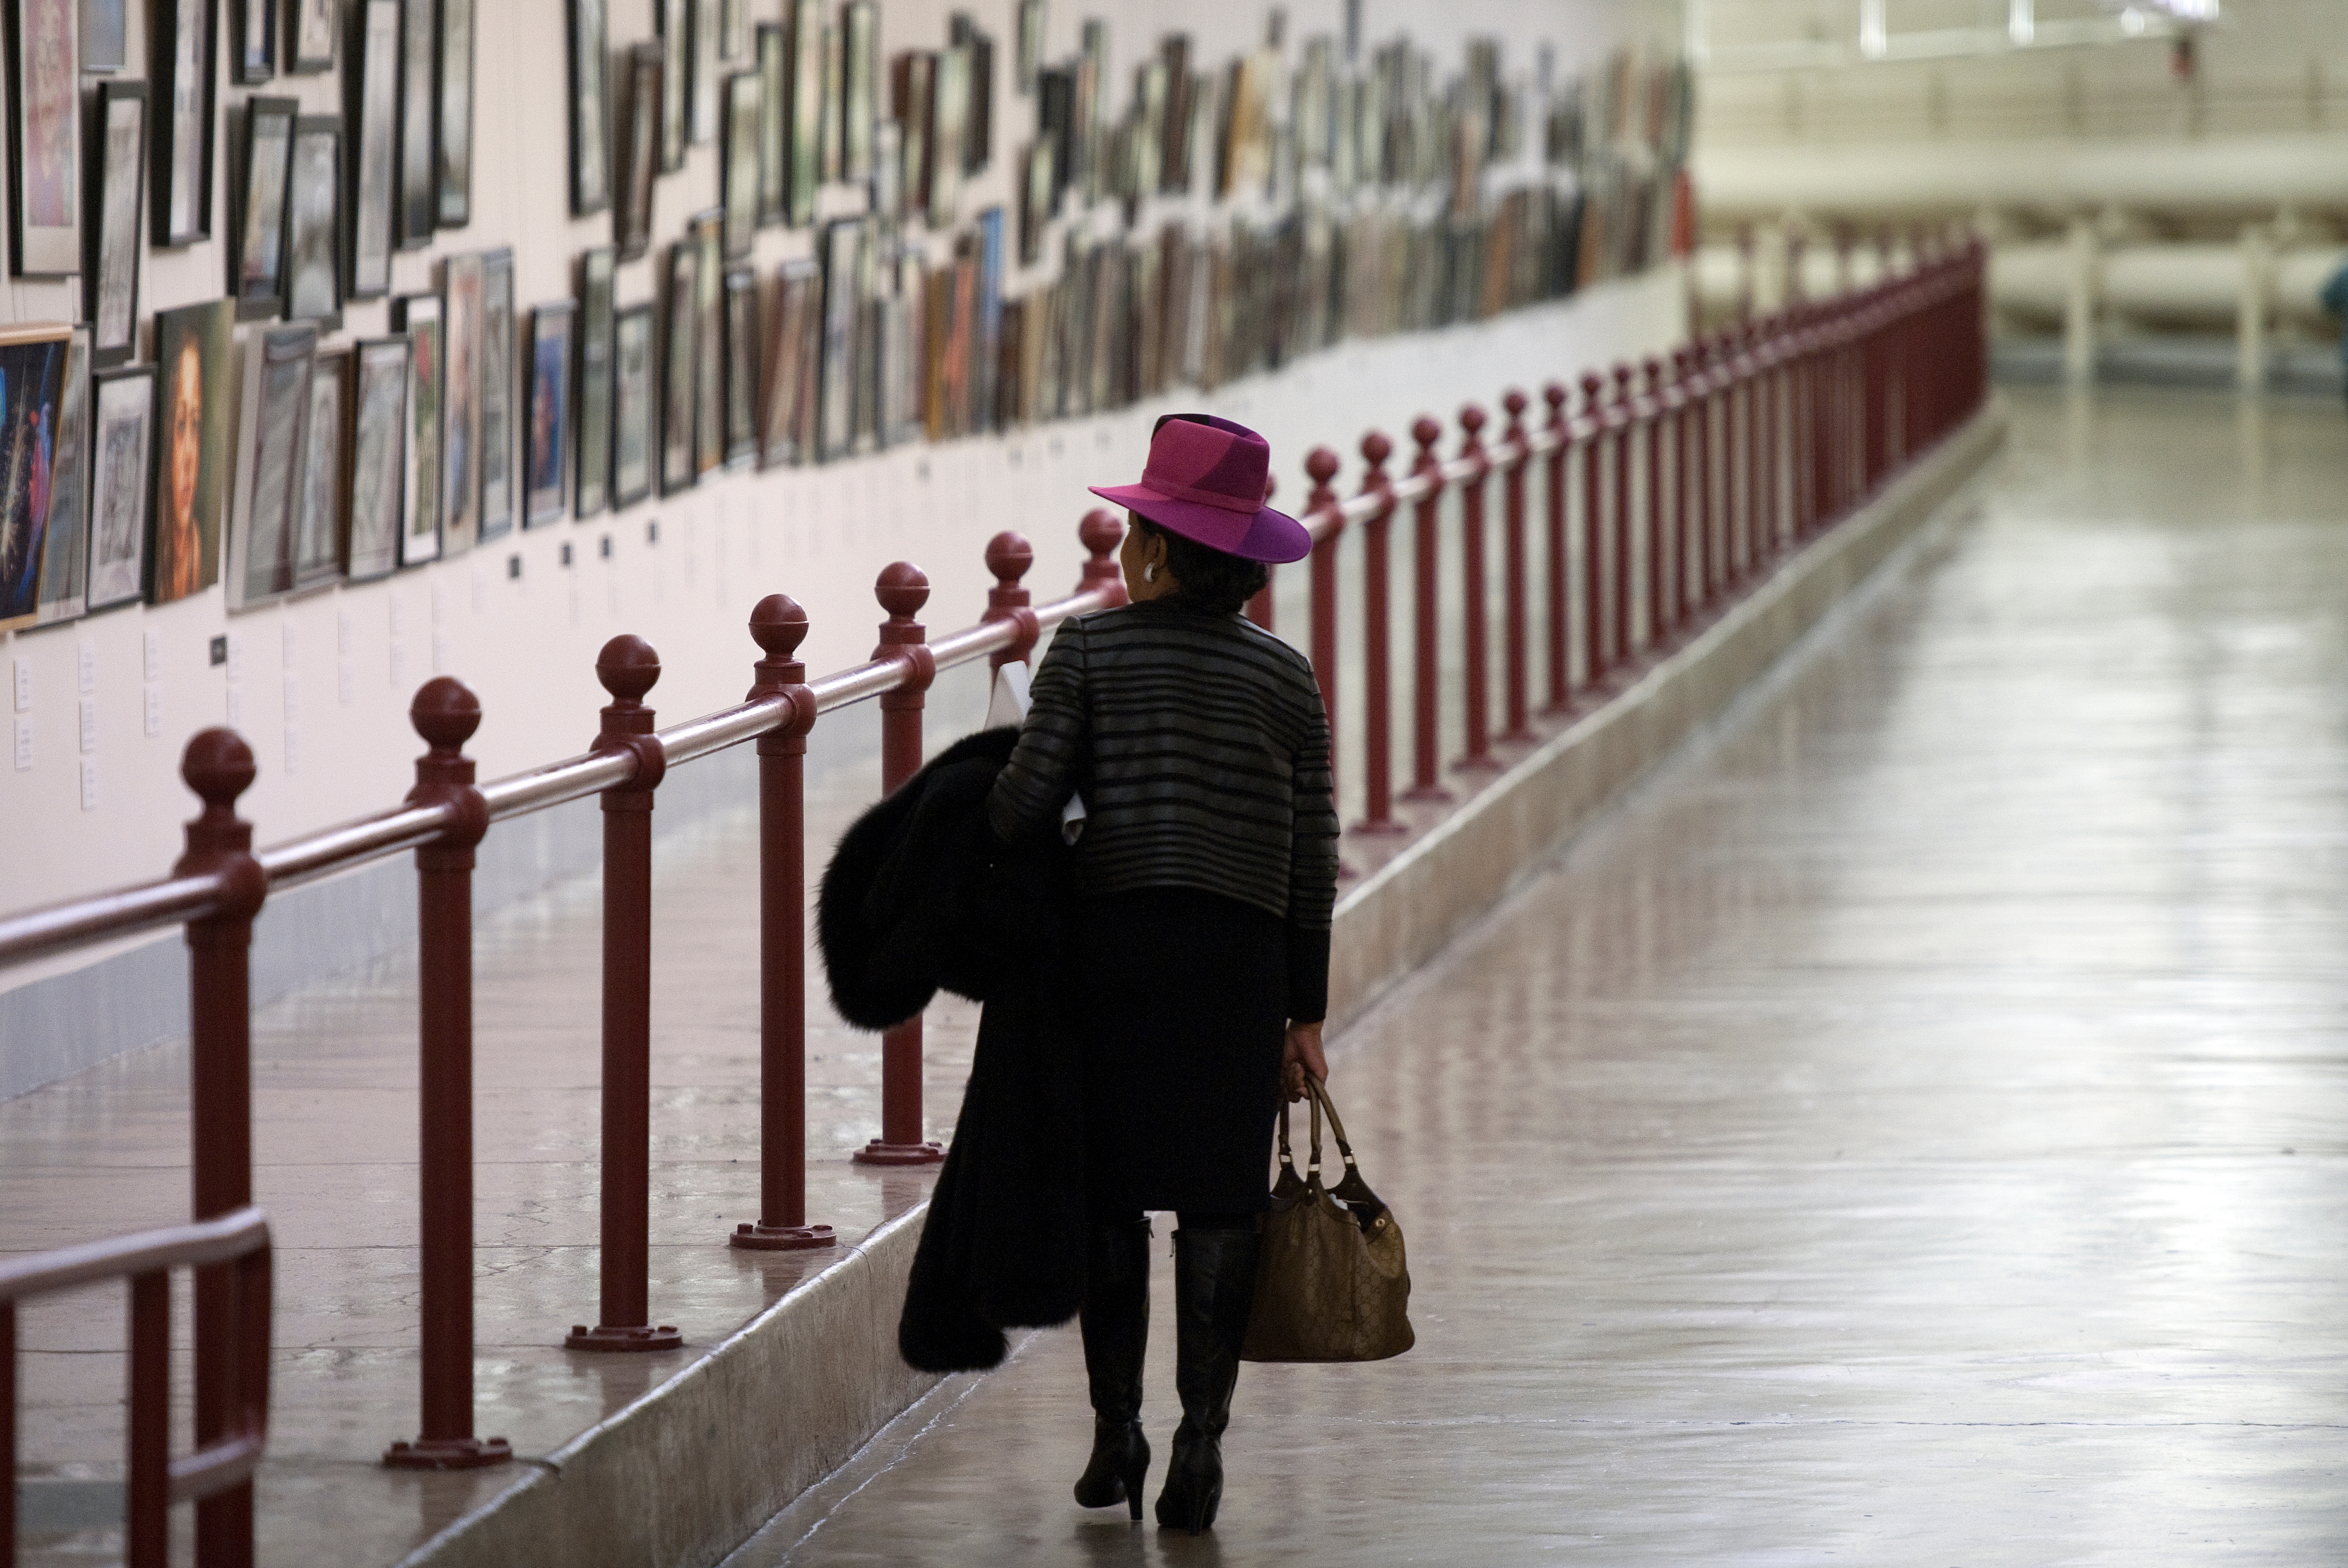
(1318, 1098)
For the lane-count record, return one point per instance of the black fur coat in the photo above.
(920, 897)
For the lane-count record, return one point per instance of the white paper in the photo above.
(1007, 705)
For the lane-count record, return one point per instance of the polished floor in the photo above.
(1908, 1131)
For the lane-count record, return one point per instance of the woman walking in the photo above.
(1206, 875)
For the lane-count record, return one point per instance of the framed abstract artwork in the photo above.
(803, 111)
(64, 590)
(116, 242)
(418, 317)
(122, 446)
(179, 35)
(104, 36)
(32, 387)
(709, 232)
(702, 85)
(45, 130)
(787, 432)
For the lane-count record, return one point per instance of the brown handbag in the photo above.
(1331, 1284)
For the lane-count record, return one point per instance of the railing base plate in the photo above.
(879, 1153)
(448, 1453)
(628, 1337)
(780, 1238)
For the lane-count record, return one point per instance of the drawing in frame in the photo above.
(680, 322)
(44, 131)
(741, 368)
(639, 151)
(632, 406)
(702, 85)
(420, 317)
(278, 361)
(179, 142)
(709, 232)
(460, 404)
(743, 152)
(310, 36)
(32, 385)
(376, 441)
(803, 112)
(314, 228)
(590, 120)
(591, 489)
(252, 56)
(319, 524)
(672, 20)
(193, 372)
(105, 37)
(547, 410)
(63, 593)
(843, 289)
(453, 115)
(257, 260)
(373, 78)
(497, 395)
(787, 392)
(774, 127)
(122, 441)
(116, 242)
(860, 70)
(419, 175)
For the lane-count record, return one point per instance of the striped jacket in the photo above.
(1202, 751)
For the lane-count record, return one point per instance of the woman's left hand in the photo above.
(1299, 1055)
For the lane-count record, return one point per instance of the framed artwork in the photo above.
(278, 361)
(63, 595)
(950, 120)
(913, 84)
(419, 317)
(827, 146)
(678, 390)
(859, 69)
(803, 111)
(257, 264)
(253, 55)
(310, 36)
(104, 36)
(591, 491)
(639, 150)
(745, 115)
(1034, 204)
(374, 84)
(741, 368)
(180, 42)
(789, 387)
(888, 198)
(122, 443)
(110, 275)
(376, 441)
(1030, 55)
(774, 126)
(460, 404)
(673, 21)
(632, 406)
(843, 292)
(453, 115)
(497, 394)
(192, 421)
(978, 127)
(709, 232)
(703, 84)
(590, 120)
(547, 445)
(44, 172)
(319, 524)
(32, 387)
(734, 29)
(314, 228)
(419, 175)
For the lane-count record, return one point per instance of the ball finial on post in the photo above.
(628, 668)
(1101, 533)
(1471, 419)
(1425, 432)
(445, 713)
(1593, 391)
(1555, 395)
(1009, 557)
(1321, 465)
(1376, 448)
(219, 767)
(902, 588)
(779, 625)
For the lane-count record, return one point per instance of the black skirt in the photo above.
(1183, 1010)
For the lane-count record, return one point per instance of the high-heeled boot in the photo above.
(1214, 1285)
(1115, 1325)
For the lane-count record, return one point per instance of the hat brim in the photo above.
(1265, 535)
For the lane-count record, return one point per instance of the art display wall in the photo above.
(354, 341)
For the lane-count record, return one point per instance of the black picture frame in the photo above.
(703, 87)
(46, 206)
(460, 403)
(372, 82)
(591, 118)
(256, 265)
(640, 156)
(860, 86)
(592, 482)
(321, 519)
(252, 51)
(122, 446)
(118, 250)
(313, 223)
(741, 368)
(708, 231)
(743, 175)
(672, 21)
(418, 172)
(374, 447)
(179, 37)
(773, 55)
(500, 495)
(264, 513)
(452, 114)
(310, 29)
(803, 112)
(633, 424)
(680, 338)
(547, 410)
(420, 317)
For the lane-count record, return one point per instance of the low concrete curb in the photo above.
(687, 1473)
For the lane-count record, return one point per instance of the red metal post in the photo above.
(1377, 648)
(1686, 411)
(1100, 532)
(1321, 464)
(1517, 634)
(446, 713)
(1474, 590)
(147, 1481)
(1426, 666)
(628, 667)
(1659, 620)
(1708, 487)
(1009, 557)
(1593, 532)
(779, 625)
(1620, 418)
(9, 1431)
(218, 766)
(902, 590)
(1560, 684)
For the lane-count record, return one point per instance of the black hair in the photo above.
(1210, 581)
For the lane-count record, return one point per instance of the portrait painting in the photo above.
(377, 444)
(44, 227)
(318, 508)
(495, 395)
(745, 114)
(632, 405)
(252, 56)
(64, 541)
(264, 515)
(592, 489)
(311, 24)
(104, 36)
(259, 265)
(314, 274)
(548, 416)
(419, 175)
(675, 22)
(122, 444)
(110, 278)
(179, 142)
(32, 385)
(453, 157)
(803, 111)
(678, 383)
(787, 436)
(418, 316)
(375, 117)
(460, 404)
(192, 421)
(774, 126)
(741, 368)
(710, 351)
(590, 170)
(639, 150)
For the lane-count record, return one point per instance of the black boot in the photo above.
(1214, 1283)
(1116, 1322)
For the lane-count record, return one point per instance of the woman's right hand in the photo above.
(1300, 1054)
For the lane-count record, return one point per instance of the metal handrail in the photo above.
(220, 1240)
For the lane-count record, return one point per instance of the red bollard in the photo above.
(445, 714)
(1560, 684)
(628, 668)
(1685, 519)
(1517, 631)
(1378, 649)
(902, 590)
(218, 766)
(1593, 532)
(1658, 615)
(1321, 464)
(1425, 666)
(779, 625)
(1009, 557)
(1620, 417)
(1101, 533)
(1473, 591)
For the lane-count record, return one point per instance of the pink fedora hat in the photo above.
(1205, 481)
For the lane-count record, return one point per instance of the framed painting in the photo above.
(122, 445)
(319, 524)
(257, 261)
(32, 387)
(547, 438)
(373, 81)
(420, 317)
(860, 70)
(734, 29)
(193, 419)
(703, 84)
(452, 113)
(678, 399)
(279, 362)
(743, 176)
(497, 394)
(376, 442)
(674, 22)
(843, 294)
(460, 404)
(709, 232)
(741, 368)
(105, 37)
(64, 590)
(913, 84)
(314, 227)
(591, 489)
(827, 144)
(790, 365)
(418, 173)
(1029, 47)
(252, 51)
(310, 36)
(632, 406)
(774, 126)
(180, 187)
(639, 150)
(45, 126)
(590, 120)
(803, 111)
(949, 123)
(117, 246)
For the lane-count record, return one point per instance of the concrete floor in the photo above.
(1909, 1132)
